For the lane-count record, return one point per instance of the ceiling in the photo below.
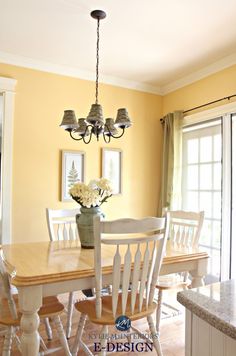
(154, 45)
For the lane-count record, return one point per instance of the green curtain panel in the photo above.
(170, 193)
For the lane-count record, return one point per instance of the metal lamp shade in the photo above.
(110, 127)
(69, 121)
(122, 119)
(81, 130)
(95, 115)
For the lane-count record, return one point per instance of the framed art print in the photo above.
(73, 171)
(112, 168)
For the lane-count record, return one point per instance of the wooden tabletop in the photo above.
(49, 262)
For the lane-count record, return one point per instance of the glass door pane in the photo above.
(201, 187)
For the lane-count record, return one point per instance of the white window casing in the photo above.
(7, 89)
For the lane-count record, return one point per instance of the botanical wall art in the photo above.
(112, 168)
(73, 170)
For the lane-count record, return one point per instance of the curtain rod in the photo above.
(211, 102)
(203, 105)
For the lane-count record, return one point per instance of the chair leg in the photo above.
(69, 315)
(3, 330)
(78, 335)
(185, 276)
(48, 328)
(8, 341)
(61, 335)
(43, 345)
(17, 341)
(109, 288)
(103, 340)
(155, 337)
(158, 312)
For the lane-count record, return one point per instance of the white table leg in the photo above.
(199, 273)
(30, 301)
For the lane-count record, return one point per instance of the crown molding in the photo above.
(74, 72)
(144, 87)
(199, 74)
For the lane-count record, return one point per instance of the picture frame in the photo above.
(73, 170)
(112, 161)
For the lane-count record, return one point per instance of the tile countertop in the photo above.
(215, 304)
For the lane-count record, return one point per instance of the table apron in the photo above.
(186, 266)
(89, 282)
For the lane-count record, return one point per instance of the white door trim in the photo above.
(226, 197)
(7, 88)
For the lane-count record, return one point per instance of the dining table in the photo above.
(40, 269)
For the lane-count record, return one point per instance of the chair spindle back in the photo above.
(136, 260)
(62, 224)
(185, 228)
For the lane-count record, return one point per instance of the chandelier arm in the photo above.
(74, 138)
(90, 134)
(123, 131)
(90, 137)
(105, 138)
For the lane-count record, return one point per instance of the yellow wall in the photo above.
(211, 88)
(39, 103)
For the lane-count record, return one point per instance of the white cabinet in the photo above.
(202, 339)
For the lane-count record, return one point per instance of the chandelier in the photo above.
(94, 123)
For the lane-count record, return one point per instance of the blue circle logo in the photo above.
(123, 323)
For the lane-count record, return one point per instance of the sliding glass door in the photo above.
(201, 185)
(209, 184)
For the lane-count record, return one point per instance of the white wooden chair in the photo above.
(10, 316)
(136, 265)
(62, 226)
(184, 232)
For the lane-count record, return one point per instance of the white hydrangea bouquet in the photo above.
(93, 194)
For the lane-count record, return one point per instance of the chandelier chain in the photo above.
(97, 64)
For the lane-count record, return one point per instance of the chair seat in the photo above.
(88, 307)
(172, 281)
(51, 306)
